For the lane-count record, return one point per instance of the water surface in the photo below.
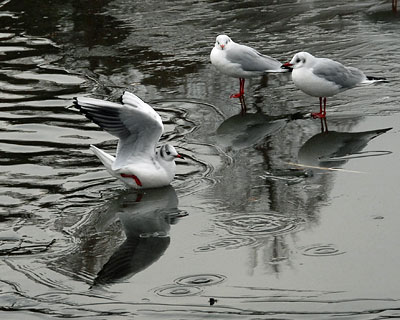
(267, 216)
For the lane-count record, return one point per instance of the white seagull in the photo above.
(322, 77)
(240, 61)
(138, 127)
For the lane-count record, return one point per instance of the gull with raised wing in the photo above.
(138, 127)
(322, 77)
(240, 61)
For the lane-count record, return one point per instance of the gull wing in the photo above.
(251, 60)
(333, 71)
(137, 125)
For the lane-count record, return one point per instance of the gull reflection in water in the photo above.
(330, 149)
(245, 130)
(145, 218)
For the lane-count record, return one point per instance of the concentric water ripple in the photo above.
(227, 243)
(178, 291)
(321, 250)
(206, 279)
(260, 224)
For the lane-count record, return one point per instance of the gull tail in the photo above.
(104, 157)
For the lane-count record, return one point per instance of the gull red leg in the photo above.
(138, 182)
(321, 113)
(241, 89)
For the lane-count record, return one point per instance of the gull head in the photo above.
(169, 153)
(301, 59)
(222, 42)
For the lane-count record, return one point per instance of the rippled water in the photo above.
(267, 218)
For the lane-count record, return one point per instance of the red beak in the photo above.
(287, 65)
(222, 46)
(179, 156)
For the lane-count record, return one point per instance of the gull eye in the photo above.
(298, 60)
(168, 152)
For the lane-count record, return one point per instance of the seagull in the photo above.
(322, 77)
(240, 61)
(138, 127)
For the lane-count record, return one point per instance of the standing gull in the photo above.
(138, 127)
(240, 61)
(321, 77)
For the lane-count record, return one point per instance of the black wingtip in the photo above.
(121, 98)
(75, 104)
(382, 79)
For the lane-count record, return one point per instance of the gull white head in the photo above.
(222, 42)
(168, 153)
(301, 59)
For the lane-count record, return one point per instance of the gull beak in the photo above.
(287, 65)
(222, 46)
(179, 156)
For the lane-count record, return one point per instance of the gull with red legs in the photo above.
(240, 61)
(322, 77)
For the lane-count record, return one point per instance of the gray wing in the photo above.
(333, 71)
(251, 60)
(137, 125)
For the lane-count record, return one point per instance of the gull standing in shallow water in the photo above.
(240, 61)
(322, 77)
(138, 127)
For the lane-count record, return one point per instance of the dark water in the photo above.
(267, 215)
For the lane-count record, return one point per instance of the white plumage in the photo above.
(138, 127)
(240, 61)
(322, 77)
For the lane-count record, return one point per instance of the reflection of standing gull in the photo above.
(331, 148)
(146, 220)
(241, 131)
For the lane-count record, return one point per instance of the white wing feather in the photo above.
(137, 125)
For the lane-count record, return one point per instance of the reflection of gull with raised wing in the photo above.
(332, 149)
(138, 128)
(146, 220)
